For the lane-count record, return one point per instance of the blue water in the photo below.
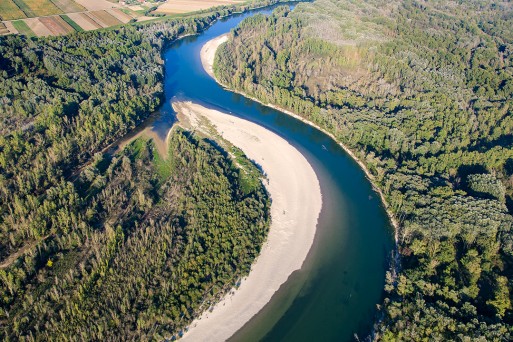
(334, 296)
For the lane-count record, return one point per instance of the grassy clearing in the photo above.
(71, 23)
(23, 28)
(9, 10)
(164, 167)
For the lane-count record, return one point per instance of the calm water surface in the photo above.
(334, 296)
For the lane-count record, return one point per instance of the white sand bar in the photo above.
(208, 53)
(296, 204)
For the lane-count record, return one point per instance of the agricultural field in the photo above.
(84, 21)
(71, 23)
(9, 26)
(38, 27)
(22, 28)
(120, 15)
(68, 6)
(96, 5)
(185, 6)
(104, 19)
(9, 10)
(3, 29)
(58, 17)
(37, 8)
(56, 25)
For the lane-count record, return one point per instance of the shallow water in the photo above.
(334, 296)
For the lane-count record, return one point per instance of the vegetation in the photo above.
(71, 23)
(130, 246)
(23, 28)
(423, 93)
(9, 10)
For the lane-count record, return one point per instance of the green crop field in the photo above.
(23, 28)
(72, 23)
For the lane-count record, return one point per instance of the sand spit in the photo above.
(208, 53)
(296, 204)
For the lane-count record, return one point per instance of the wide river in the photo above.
(334, 296)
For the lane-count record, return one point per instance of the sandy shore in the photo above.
(208, 53)
(296, 204)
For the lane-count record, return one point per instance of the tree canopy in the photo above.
(421, 92)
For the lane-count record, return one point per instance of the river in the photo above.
(334, 296)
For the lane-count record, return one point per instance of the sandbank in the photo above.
(296, 203)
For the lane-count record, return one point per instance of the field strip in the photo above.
(10, 27)
(96, 5)
(145, 18)
(72, 23)
(3, 29)
(41, 8)
(105, 18)
(22, 6)
(62, 23)
(9, 10)
(37, 27)
(95, 19)
(184, 6)
(121, 16)
(83, 20)
(68, 6)
(57, 27)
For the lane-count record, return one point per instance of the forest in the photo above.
(422, 92)
(104, 246)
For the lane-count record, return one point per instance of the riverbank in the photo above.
(208, 53)
(207, 59)
(296, 205)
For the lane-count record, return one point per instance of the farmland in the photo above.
(56, 25)
(185, 6)
(9, 10)
(68, 6)
(22, 28)
(103, 18)
(37, 8)
(58, 17)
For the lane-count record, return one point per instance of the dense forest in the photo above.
(422, 92)
(99, 246)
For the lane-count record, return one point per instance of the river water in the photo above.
(334, 296)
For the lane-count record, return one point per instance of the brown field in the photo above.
(68, 6)
(42, 7)
(123, 17)
(37, 27)
(53, 26)
(184, 6)
(144, 18)
(136, 8)
(10, 27)
(64, 24)
(104, 19)
(84, 21)
(9, 10)
(3, 29)
(95, 5)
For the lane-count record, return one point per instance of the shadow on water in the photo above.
(334, 295)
